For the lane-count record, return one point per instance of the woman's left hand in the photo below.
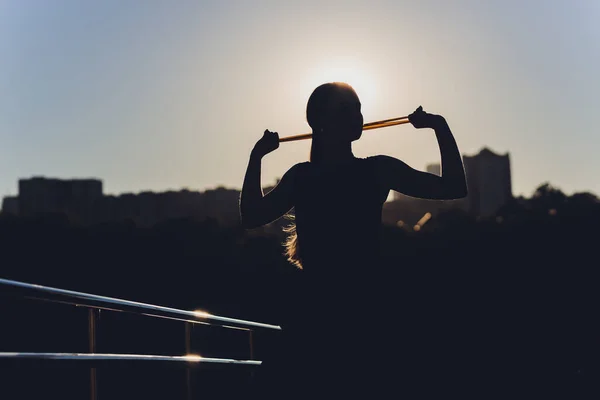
(420, 119)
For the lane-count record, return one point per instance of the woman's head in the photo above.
(334, 113)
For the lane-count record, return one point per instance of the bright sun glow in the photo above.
(363, 83)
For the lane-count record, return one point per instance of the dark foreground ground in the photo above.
(507, 308)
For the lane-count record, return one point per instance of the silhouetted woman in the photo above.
(338, 200)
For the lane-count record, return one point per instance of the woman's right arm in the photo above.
(257, 209)
(397, 175)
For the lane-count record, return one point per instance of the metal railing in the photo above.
(94, 303)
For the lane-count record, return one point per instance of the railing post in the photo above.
(92, 313)
(251, 340)
(188, 350)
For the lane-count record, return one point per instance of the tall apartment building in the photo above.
(489, 182)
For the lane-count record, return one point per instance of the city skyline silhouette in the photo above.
(490, 191)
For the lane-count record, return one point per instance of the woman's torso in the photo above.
(338, 215)
(338, 222)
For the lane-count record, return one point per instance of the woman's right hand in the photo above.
(266, 144)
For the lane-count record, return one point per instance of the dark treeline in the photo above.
(513, 297)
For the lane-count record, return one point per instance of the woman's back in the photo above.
(338, 217)
(338, 223)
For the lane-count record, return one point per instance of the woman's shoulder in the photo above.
(379, 162)
(300, 167)
(373, 159)
(297, 171)
(307, 169)
(372, 162)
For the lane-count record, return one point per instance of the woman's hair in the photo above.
(292, 249)
(316, 112)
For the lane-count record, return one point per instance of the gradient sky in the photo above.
(158, 95)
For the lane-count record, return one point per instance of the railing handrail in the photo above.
(124, 357)
(141, 308)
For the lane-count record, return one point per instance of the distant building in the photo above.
(75, 198)
(83, 202)
(148, 208)
(435, 169)
(10, 205)
(489, 182)
(223, 204)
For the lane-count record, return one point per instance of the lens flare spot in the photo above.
(201, 314)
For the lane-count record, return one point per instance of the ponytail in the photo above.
(292, 249)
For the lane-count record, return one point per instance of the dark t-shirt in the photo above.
(338, 217)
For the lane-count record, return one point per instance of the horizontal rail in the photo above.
(100, 307)
(124, 357)
(92, 300)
